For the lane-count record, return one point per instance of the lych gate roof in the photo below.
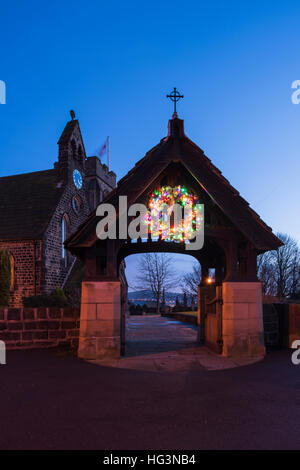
(27, 203)
(177, 147)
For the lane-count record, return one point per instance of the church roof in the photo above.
(178, 147)
(27, 202)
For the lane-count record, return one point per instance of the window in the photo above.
(12, 272)
(64, 232)
(73, 147)
(80, 153)
(76, 204)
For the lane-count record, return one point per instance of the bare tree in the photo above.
(287, 261)
(279, 270)
(156, 273)
(266, 273)
(295, 277)
(192, 280)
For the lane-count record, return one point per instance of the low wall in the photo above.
(26, 328)
(271, 325)
(281, 324)
(294, 322)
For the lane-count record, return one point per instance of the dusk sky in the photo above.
(114, 62)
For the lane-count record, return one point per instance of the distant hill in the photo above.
(143, 296)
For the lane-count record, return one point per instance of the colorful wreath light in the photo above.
(158, 224)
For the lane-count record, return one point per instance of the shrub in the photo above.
(59, 293)
(73, 295)
(135, 309)
(56, 299)
(5, 278)
(132, 309)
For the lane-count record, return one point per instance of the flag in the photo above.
(105, 150)
(102, 151)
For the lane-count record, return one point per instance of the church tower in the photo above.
(71, 154)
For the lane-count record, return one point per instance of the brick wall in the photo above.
(24, 328)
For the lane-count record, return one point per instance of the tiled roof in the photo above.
(27, 203)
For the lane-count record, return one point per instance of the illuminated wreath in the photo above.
(170, 196)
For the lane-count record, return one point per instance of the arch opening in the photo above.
(157, 318)
(158, 294)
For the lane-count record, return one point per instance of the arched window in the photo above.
(76, 204)
(80, 153)
(12, 272)
(64, 234)
(74, 149)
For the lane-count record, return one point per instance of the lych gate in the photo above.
(230, 309)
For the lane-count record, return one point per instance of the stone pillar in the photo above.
(242, 319)
(100, 319)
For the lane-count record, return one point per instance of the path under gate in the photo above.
(156, 343)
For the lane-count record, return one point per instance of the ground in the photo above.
(53, 400)
(160, 344)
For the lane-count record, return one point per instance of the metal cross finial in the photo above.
(175, 96)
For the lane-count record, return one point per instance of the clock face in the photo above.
(77, 178)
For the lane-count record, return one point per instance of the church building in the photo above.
(40, 210)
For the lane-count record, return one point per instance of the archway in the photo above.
(230, 312)
(158, 300)
(209, 308)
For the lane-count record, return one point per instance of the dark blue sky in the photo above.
(114, 62)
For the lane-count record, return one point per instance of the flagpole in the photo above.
(108, 152)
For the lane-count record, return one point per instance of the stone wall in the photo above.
(55, 269)
(242, 319)
(95, 170)
(26, 328)
(100, 325)
(27, 272)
